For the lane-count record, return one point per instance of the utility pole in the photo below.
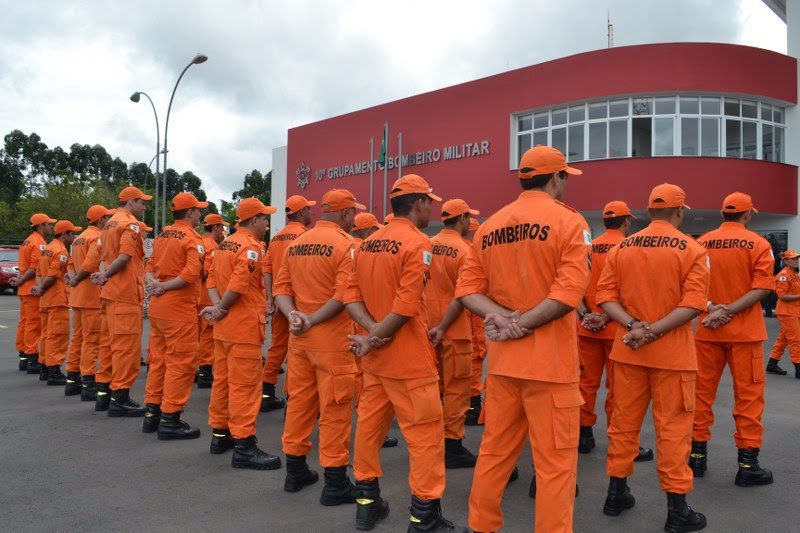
(610, 29)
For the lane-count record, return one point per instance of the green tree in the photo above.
(255, 184)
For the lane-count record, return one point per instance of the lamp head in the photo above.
(199, 58)
(135, 97)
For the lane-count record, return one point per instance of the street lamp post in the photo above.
(135, 98)
(199, 58)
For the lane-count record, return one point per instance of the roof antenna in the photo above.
(610, 29)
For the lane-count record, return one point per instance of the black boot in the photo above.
(33, 364)
(88, 389)
(426, 515)
(513, 476)
(269, 401)
(338, 488)
(750, 472)
(681, 517)
(152, 416)
(797, 371)
(370, 507)
(122, 405)
(773, 368)
(298, 475)
(456, 456)
(474, 412)
(44, 372)
(532, 488)
(103, 397)
(389, 442)
(73, 386)
(619, 497)
(698, 459)
(221, 441)
(55, 377)
(205, 377)
(247, 455)
(645, 454)
(171, 427)
(23, 362)
(586, 440)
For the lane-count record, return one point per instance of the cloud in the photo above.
(69, 68)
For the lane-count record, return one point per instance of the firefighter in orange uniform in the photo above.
(654, 284)
(298, 217)
(788, 312)
(473, 417)
(122, 290)
(532, 386)
(309, 291)
(51, 288)
(732, 333)
(214, 226)
(451, 331)
(238, 310)
(386, 298)
(596, 332)
(84, 299)
(30, 315)
(173, 282)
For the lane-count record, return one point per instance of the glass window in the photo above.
(766, 112)
(597, 140)
(618, 108)
(690, 105)
(575, 146)
(749, 109)
(665, 106)
(541, 120)
(10, 256)
(642, 106)
(618, 138)
(777, 114)
(524, 123)
(767, 153)
(664, 136)
(709, 106)
(523, 144)
(732, 107)
(598, 110)
(690, 135)
(559, 140)
(733, 138)
(641, 137)
(540, 137)
(577, 113)
(779, 155)
(709, 137)
(559, 116)
(749, 139)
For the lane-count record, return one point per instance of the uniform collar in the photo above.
(327, 224)
(296, 223)
(183, 223)
(535, 194)
(661, 224)
(737, 225)
(402, 220)
(451, 232)
(614, 231)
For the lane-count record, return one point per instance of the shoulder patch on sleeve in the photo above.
(708, 262)
(135, 227)
(99, 240)
(427, 257)
(782, 278)
(200, 249)
(63, 258)
(352, 253)
(587, 237)
(252, 255)
(42, 247)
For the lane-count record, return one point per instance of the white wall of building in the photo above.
(278, 198)
(793, 113)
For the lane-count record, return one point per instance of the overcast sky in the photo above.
(68, 68)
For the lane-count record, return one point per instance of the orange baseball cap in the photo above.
(296, 203)
(366, 221)
(474, 224)
(544, 160)
(339, 199)
(455, 207)
(65, 225)
(388, 218)
(790, 254)
(187, 200)
(738, 202)
(213, 219)
(146, 228)
(412, 184)
(97, 211)
(667, 195)
(617, 208)
(250, 207)
(41, 218)
(133, 193)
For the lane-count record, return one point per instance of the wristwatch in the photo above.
(630, 324)
(581, 314)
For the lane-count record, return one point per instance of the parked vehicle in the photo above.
(9, 266)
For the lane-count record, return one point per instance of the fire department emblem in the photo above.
(303, 173)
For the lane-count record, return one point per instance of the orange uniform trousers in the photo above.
(19, 341)
(205, 331)
(104, 350)
(278, 348)
(55, 339)
(322, 385)
(236, 394)
(33, 323)
(456, 363)
(673, 396)
(173, 364)
(789, 336)
(746, 361)
(90, 319)
(594, 359)
(125, 335)
(547, 414)
(75, 342)
(477, 374)
(418, 408)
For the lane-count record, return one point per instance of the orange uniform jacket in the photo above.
(553, 262)
(122, 235)
(177, 252)
(391, 268)
(209, 247)
(85, 295)
(742, 261)
(237, 267)
(787, 283)
(600, 248)
(53, 263)
(449, 254)
(651, 273)
(29, 254)
(278, 246)
(316, 268)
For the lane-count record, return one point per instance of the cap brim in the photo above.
(51, 220)
(754, 210)
(434, 197)
(686, 206)
(76, 228)
(269, 210)
(311, 203)
(573, 171)
(360, 207)
(201, 205)
(474, 212)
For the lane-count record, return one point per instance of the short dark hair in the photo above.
(211, 227)
(294, 216)
(249, 221)
(450, 222)
(540, 181)
(179, 214)
(733, 217)
(401, 205)
(121, 203)
(615, 222)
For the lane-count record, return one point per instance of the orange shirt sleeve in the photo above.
(211, 280)
(608, 286)
(91, 263)
(695, 285)
(25, 257)
(782, 284)
(130, 241)
(572, 276)
(472, 279)
(283, 283)
(55, 264)
(246, 263)
(353, 292)
(191, 270)
(411, 287)
(341, 281)
(35, 257)
(267, 264)
(763, 267)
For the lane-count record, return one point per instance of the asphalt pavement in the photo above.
(66, 467)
